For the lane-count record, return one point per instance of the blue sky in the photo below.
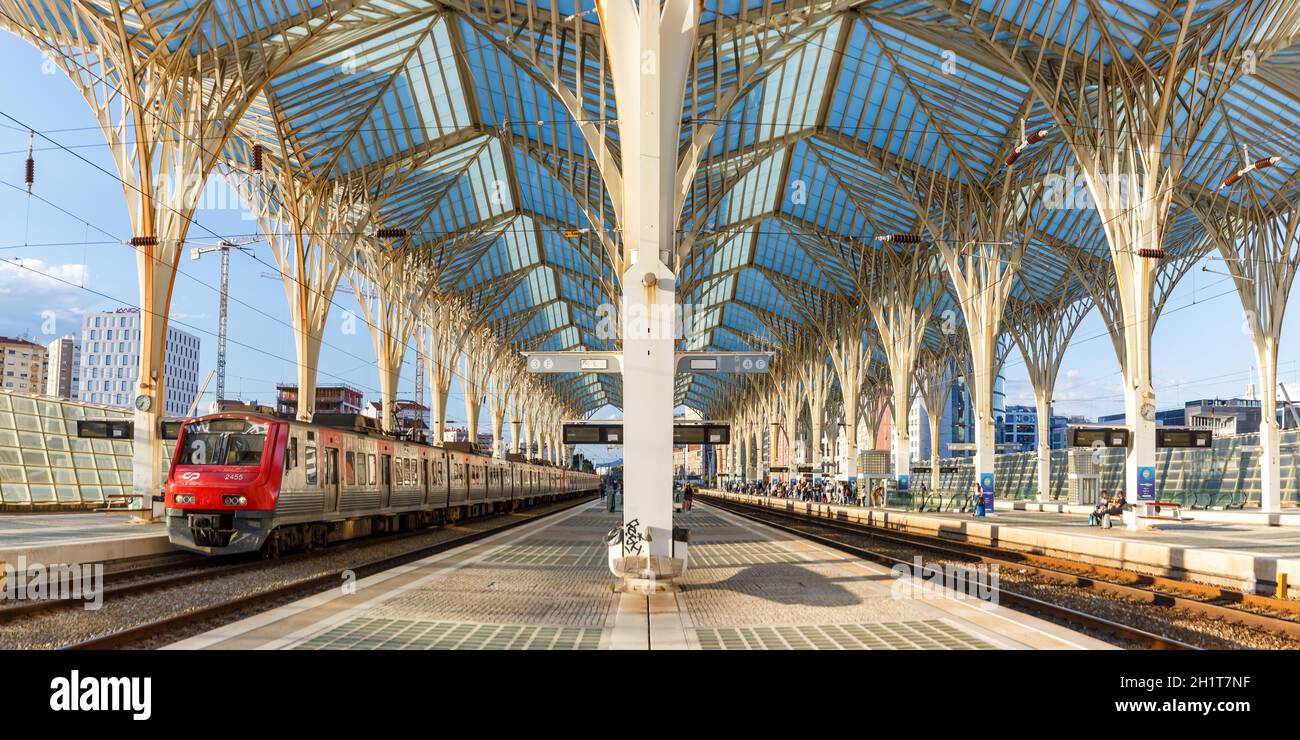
(1199, 350)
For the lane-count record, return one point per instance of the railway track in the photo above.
(1206, 601)
(299, 587)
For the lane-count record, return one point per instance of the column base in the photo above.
(642, 577)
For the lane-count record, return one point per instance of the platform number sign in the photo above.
(1146, 483)
(986, 490)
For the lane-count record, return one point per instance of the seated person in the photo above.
(1094, 519)
(1116, 508)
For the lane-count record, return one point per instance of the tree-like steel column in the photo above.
(649, 46)
(1130, 111)
(1041, 326)
(389, 288)
(1260, 246)
(167, 99)
(934, 378)
(476, 359)
(442, 329)
(312, 228)
(505, 378)
(817, 377)
(789, 400)
(844, 328)
(901, 292)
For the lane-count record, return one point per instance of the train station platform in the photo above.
(73, 539)
(546, 585)
(1215, 549)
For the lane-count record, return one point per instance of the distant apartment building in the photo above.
(956, 423)
(63, 379)
(23, 366)
(110, 362)
(1020, 427)
(412, 418)
(330, 399)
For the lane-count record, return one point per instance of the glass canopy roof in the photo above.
(828, 114)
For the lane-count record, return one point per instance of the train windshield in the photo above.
(222, 442)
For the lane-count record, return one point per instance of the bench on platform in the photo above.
(1153, 513)
(119, 502)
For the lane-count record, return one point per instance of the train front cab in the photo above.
(223, 484)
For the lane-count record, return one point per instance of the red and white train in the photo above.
(242, 482)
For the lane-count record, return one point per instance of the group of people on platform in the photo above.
(823, 491)
(1106, 509)
(841, 492)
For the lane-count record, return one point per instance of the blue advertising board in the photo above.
(904, 481)
(1146, 483)
(986, 490)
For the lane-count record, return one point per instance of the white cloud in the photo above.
(41, 299)
(1071, 373)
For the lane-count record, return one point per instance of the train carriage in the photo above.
(242, 482)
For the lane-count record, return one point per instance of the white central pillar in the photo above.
(650, 50)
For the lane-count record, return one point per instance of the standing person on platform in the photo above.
(688, 497)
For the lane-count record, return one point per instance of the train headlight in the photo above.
(234, 501)
(184, 498)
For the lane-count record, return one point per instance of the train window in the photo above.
(309, 463)
(222, 442)
(388, 470)
(291, 456)
(457, 474)
(375, 478)
(350, 468)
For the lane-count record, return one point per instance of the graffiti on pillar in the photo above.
(632, 537)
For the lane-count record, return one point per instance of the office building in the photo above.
(110, 362)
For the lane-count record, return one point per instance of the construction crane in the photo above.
(224, 246)
(419, 376)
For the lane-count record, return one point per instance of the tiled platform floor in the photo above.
(78, 538)
(18, 530)
(545, 586)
